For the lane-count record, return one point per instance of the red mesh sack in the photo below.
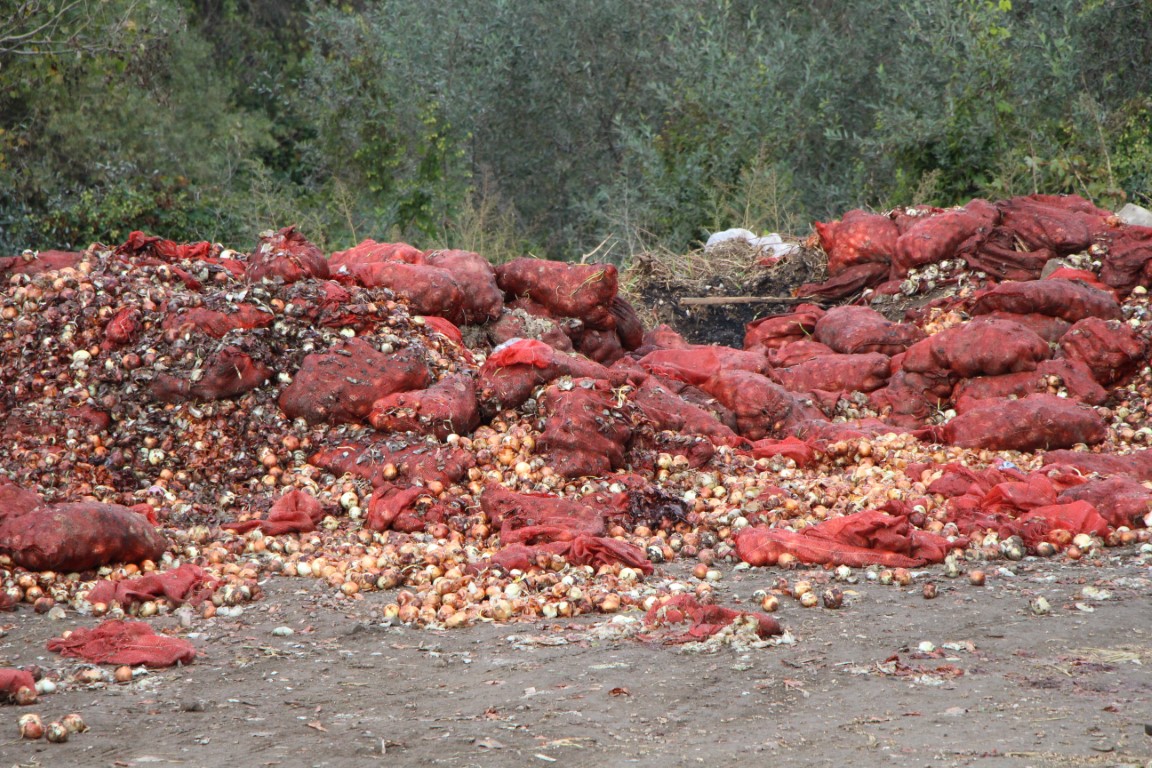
(1070, 300)
(958, 480)
(371, 252)
(1015, 496)
(775, 331)
(509, 510)
(1045, 326)
(911, 398)
(596, 551)
(762, 407)
(16, 501)
(801, 452)
(797, 352)
(483, 299)
(12, 680)
(1121, 501)
(1136, 465)
(760, 545)
(996, 255)
(1075, 517)
(602, 346)
(824, 432)
(851, 281)
(698, 397)
(294, 512)
(697, 364)
(512, 371)
(1110, 349)
(1073, 375)
(935, 238)
(664, 337)
(381, 461)
(185, 584)
(122, 328)
(584, 291)
(43, 261)
(855, 330)
(216, 324)
(1061, 223)
(629, 327)
(389, 503)
(79, 536)
(287, 255)
(1079, 275)
(1036, 422)
(910, 216)
(1128, 262)
(449, 331)
(228, 372)
(139, 244)
(668, 410)
(124, 642)
(593, 551)
(341, 385)
(982, 347)
(519, 324)
(425, 289)
(585, 432)
(836, 373)
(873, 529)
(859, 237)
(448, 406)
(704, 620)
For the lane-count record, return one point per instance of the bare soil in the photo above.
(1004, 687)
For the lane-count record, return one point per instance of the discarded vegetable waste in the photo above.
(184, 420)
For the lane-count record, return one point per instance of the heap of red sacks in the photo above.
(1016, 357)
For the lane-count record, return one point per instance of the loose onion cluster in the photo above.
(32, 727)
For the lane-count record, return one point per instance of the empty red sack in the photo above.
(124, 642)
(187, 583)
(294, 512)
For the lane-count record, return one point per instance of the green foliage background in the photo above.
(531, 125)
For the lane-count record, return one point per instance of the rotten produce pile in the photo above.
(184, 421)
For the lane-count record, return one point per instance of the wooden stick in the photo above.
(716, 300)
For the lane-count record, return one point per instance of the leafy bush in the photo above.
(556, 128)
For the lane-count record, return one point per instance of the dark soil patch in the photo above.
(660, 290)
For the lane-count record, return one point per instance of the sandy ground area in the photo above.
(974, 677)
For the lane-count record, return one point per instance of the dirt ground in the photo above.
(1003, 687)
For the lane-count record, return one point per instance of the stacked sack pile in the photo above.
(389, 418)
